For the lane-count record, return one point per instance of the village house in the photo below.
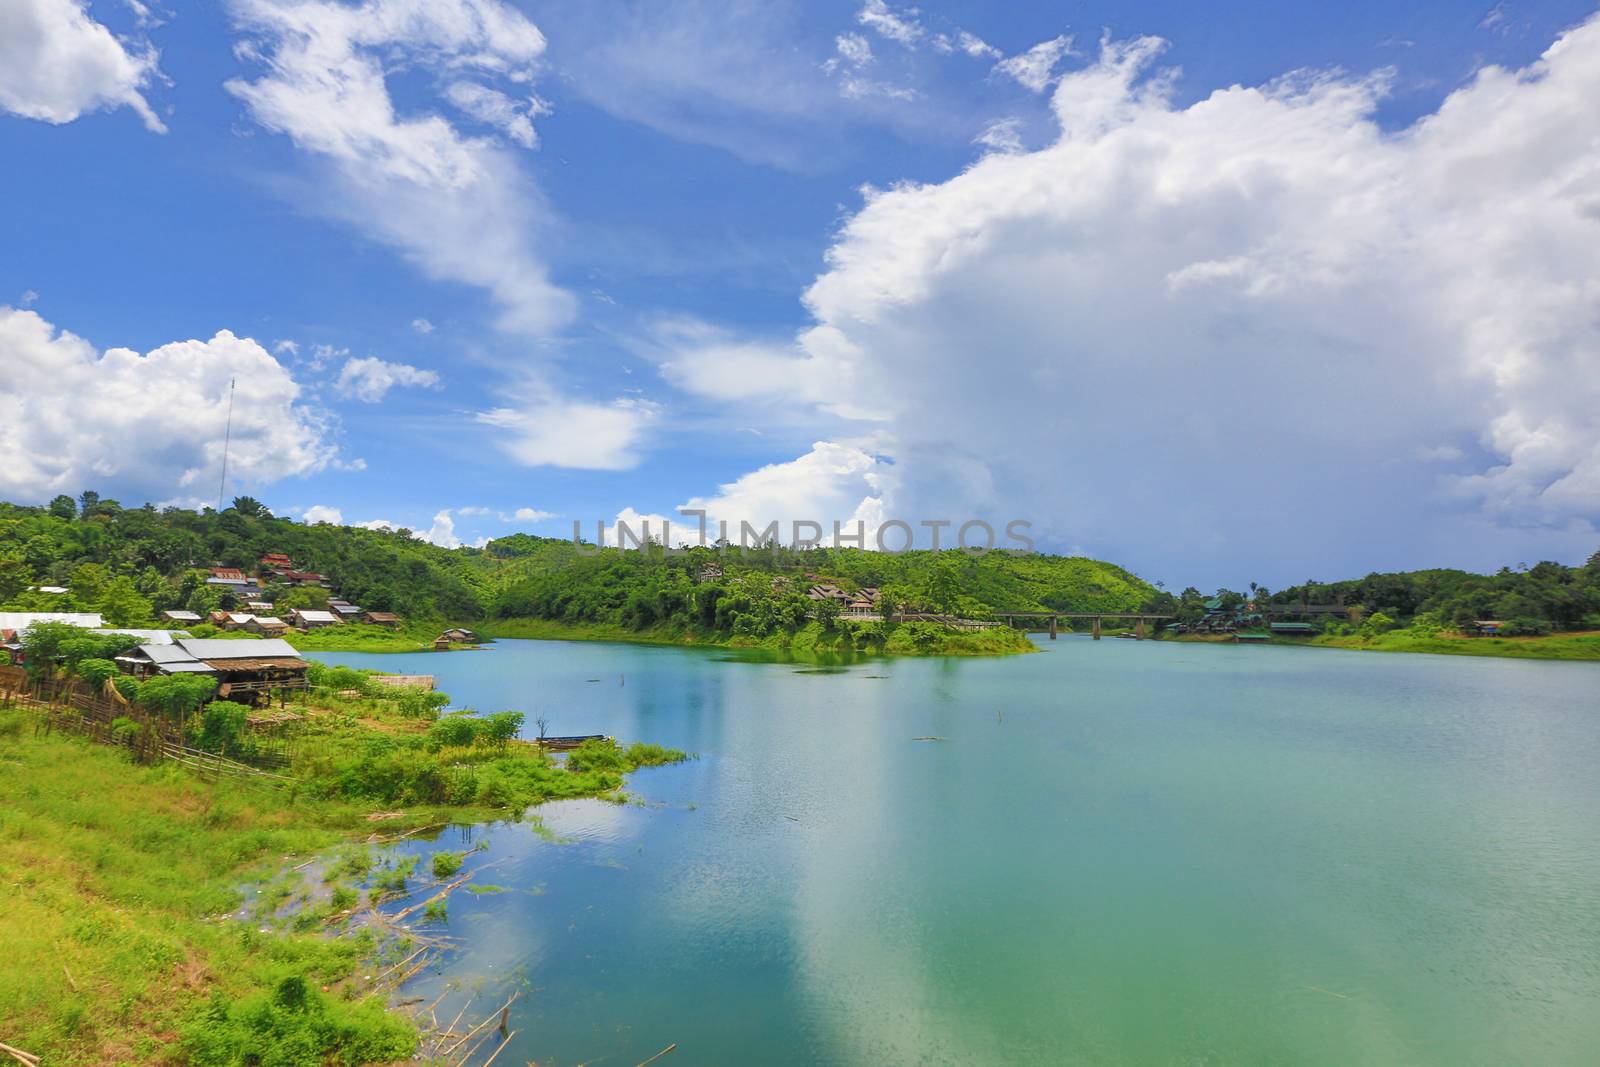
(267, 626)
(246, 671)
(457, 636)
(183, 618)
(275, 561)
(1488, 627)
(259, 607)
(304, 578)
(308, 619)
(346, 611)
(231, 575)
(387, 619)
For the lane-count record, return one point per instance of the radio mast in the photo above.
(227, 439)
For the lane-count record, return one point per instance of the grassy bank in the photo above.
(1570, 646)
(870, 638)
(121, 882)
(1574, 646)
(355, 637)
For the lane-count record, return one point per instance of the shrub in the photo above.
(454, 731)
(446, 863)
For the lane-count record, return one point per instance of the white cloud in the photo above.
(1236, 323)
(57, 63)
(422, 326)
(901, 26)
(832, 482)
(322, 513)
(532, 515)
(286, 347)
(442, 532)
(370, 379)
(1001, 135)
(72, 418)
(494, 108)
(1034, 68)
(976, 46)
(458, 207)
(853, 48)
(565, 432)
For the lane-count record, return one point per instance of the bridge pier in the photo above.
(1097, 627)
(1052, 627)
(1139, 629)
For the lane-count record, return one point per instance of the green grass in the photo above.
(900, 640)
(120, 882)
(1572, 646)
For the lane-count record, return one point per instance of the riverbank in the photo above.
(868, 637)
(1567, 646)
(123, 939)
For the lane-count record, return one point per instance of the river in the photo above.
(1117, 852)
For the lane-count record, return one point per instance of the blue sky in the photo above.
(589, 281)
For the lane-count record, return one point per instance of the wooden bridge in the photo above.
(1140, 620)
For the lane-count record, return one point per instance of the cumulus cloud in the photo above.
(322, 513)
(1243, 324)
(57, 63)
(422, 326)
(457, 206)
(71, 417)
(532, 515)
(370, 379)
(560, 431)
(442, 532)
(831, 483)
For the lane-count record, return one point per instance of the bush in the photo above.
(223, 727)
(454, 731)
(95, 673)
(446, 863)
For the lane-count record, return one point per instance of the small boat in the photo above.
(563, 744)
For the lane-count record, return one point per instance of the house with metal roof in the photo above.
(21, 620)
(189, 617)
(307, 619)
(246, 670)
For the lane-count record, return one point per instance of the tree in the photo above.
(250, 507)
(63, 508)
(122, 605)
(88, 499)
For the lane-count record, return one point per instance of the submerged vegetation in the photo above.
(124, 942)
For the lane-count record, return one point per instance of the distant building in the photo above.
(21, 620)
(229, 574)
(386, 619)
(1292, 629)
(314, 620)
(187, 618)
(236, 620)
(458, 636)
(276, 561)
(1489, 627)
(267, 626)
(304, 578)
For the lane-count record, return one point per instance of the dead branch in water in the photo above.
(660, 1054)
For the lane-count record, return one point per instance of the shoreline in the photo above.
(155, 912)
(1576, 647)
(810, 640)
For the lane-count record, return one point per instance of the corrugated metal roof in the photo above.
(21, 620)
(182, 616)
(149, 637)
(258, 648)
(164, 653)
(316, 616)
(188, 666)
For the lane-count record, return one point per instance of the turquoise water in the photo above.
(1120, 852)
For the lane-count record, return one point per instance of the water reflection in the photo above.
(1116, 852)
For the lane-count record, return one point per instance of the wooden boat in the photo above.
(563, 744)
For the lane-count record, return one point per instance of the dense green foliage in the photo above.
(132, 563)
(1542, 599)
(759, 593)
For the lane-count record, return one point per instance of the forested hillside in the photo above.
(132, 563)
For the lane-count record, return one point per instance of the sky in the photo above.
(1223, 293)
